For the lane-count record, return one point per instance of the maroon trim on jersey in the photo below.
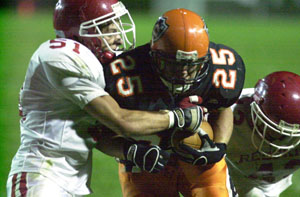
(13, 188)
(23, 187)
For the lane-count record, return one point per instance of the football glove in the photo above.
(189, 115)
(147, 157)
(209, 153)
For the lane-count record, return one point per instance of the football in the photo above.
(193, 141)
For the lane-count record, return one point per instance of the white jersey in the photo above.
(247, 166)
(62, 77)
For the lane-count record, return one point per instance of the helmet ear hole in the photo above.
(161, 64)
(156, 62)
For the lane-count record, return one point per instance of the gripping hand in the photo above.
(147, 157)
(209, 153)
(189, 115)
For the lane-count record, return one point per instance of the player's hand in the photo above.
(209, 153)
(189, 115)
(147, 157)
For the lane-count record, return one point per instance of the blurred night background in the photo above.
(252, 7)
(266, 33)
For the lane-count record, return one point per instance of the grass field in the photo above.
(266, 45)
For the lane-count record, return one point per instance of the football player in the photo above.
(63, 98)
(178, 62)
(263, 152)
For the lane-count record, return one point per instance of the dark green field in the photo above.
(266, 45)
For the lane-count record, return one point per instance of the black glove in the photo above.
(209, 153)
(189, 116)
(147, 157)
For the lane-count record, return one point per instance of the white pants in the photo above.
(34, 185)
(247, 188)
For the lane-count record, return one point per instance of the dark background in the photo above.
(213, 6)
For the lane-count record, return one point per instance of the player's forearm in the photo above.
(127, 122)
(222, 124)
(136, 123)
(111, 144)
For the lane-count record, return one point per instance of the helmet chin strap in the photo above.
(106, 57)
(175, 88)
(94, 44)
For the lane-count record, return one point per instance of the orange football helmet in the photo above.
(179, 49)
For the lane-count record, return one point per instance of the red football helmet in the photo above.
(276, 113)
(84, 20)
(179, 49)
